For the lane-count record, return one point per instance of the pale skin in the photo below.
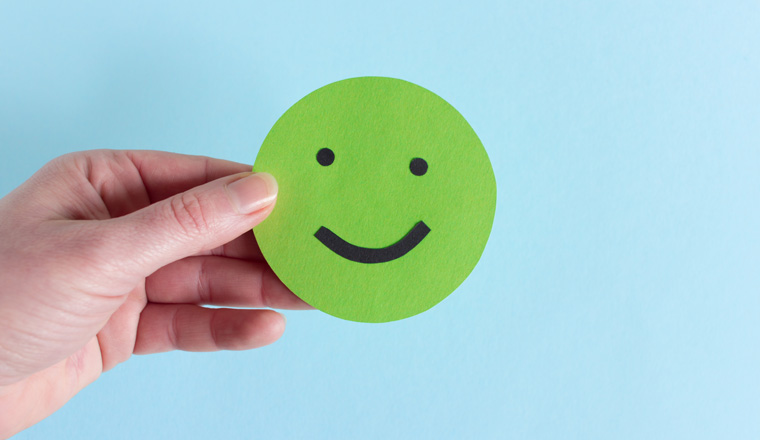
(105, 254)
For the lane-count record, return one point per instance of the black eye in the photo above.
(325, 157)
(418, 166)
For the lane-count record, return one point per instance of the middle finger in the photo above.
(220, 281)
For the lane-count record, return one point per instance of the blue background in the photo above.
(618, 295)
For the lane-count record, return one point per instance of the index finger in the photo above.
(165, 174)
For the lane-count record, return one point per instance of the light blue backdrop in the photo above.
(618, 296)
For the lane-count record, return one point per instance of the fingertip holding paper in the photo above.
(387, 198)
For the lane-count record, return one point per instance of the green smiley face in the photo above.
(386, 199)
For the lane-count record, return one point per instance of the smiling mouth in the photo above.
(373, 255)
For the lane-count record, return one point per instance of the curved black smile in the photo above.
(372, 255)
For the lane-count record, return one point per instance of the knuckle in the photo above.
(77, 160)
(173, 330)
(62, 169)
(205, 295)
(190, 212)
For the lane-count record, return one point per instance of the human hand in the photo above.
(108, 253)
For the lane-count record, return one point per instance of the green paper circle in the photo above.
(369, 197)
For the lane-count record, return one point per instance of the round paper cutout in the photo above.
(386, 199)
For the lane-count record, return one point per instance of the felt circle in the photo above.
(365, 239)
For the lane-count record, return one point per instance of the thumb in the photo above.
(199, 219)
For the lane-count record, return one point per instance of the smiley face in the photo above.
(386, 199)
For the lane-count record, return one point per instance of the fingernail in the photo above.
(253, 192)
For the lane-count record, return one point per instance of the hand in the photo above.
(108, 253)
